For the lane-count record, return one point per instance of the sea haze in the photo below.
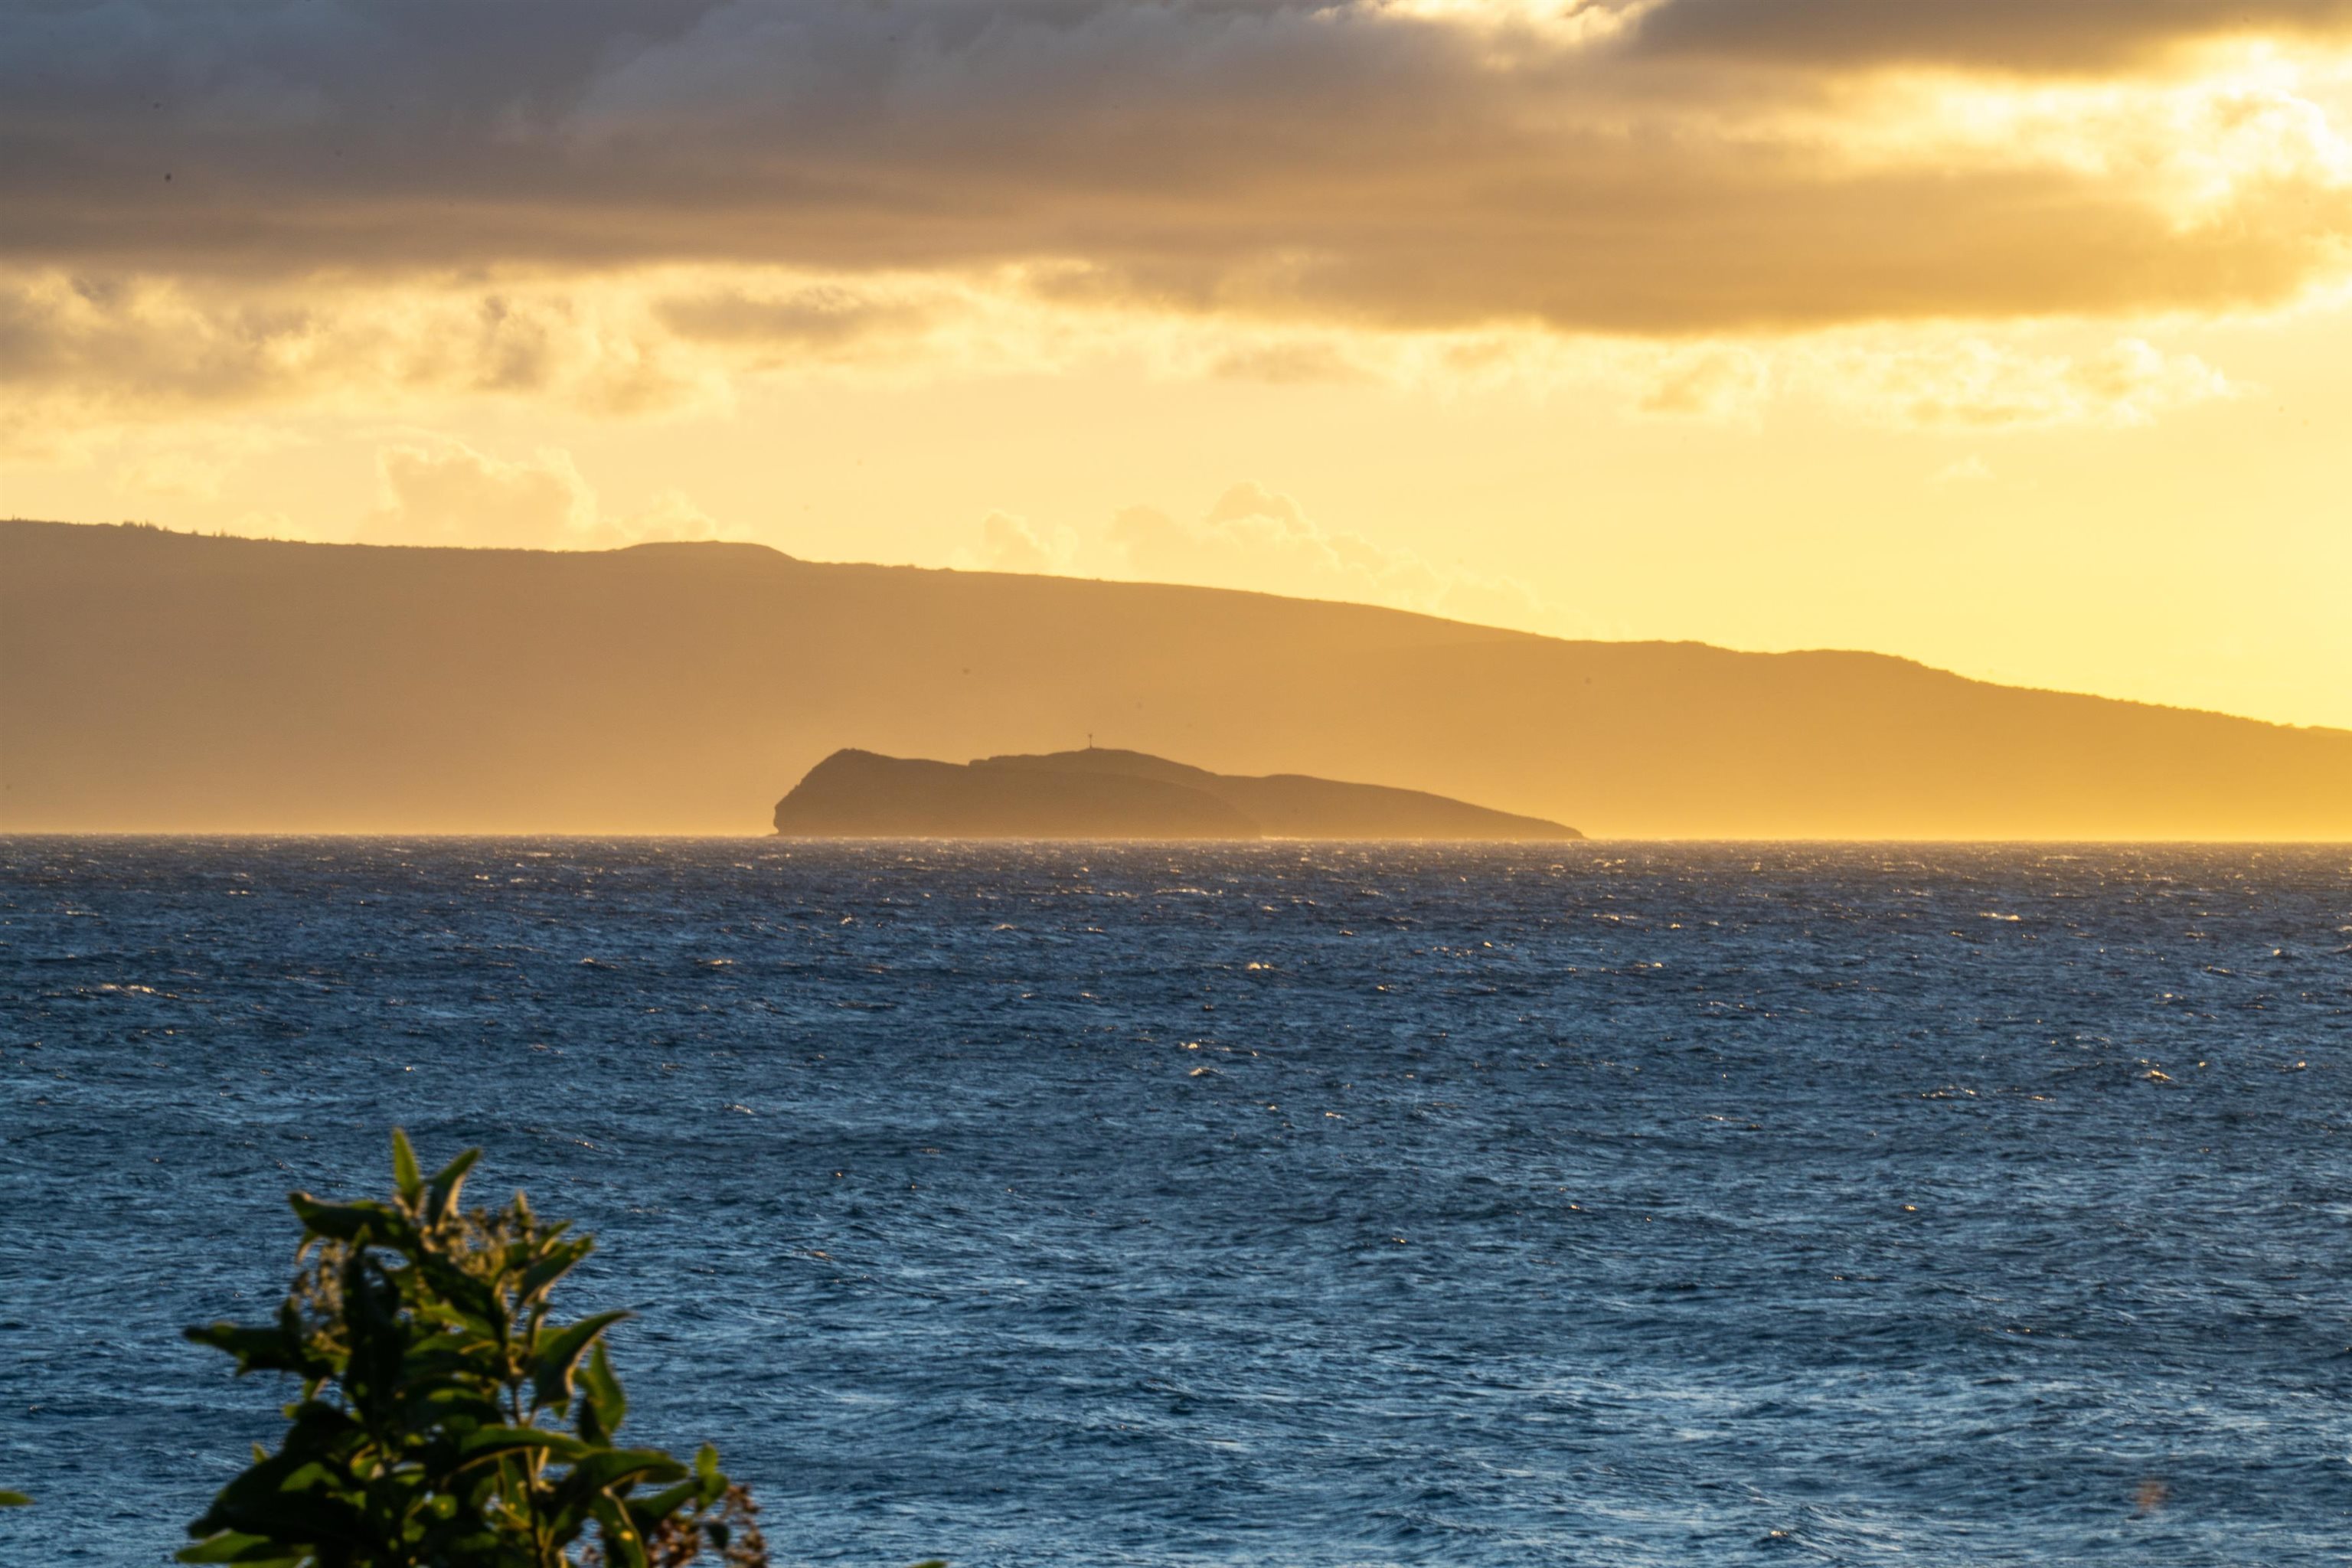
(1258, 1204)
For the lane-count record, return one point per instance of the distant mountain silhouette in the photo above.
(1105, 793)
(160, 681)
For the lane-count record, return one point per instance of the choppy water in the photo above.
(1674, 1207)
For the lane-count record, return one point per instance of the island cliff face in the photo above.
(1109, 794)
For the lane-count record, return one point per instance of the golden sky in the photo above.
(2010, 335)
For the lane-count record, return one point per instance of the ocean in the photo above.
(1661, 1207)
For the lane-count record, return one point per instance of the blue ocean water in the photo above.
(1265, 1205)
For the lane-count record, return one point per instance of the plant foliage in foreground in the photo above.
(446, 1420)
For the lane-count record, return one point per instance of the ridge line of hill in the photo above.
(160, 681)
(655, 548)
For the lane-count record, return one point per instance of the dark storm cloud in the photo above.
(1350, 161)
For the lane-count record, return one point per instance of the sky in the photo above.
(2008, 335)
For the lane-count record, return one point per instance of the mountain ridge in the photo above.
(159, 681)
(1485, 631)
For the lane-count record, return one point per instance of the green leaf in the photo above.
(258, 1349)
(453, 1292)
(354, 1223)
(660, 1505)
(624, 1542)
(603, 1405)
(559, 1261)
(404, 1177)
(491, 1441)
(441, 1203)
(551, 1366)
(609, 1467)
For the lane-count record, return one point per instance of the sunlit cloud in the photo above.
(1975, 385)
(93, 350)
(1009, 543)
(2192, 146)
(633, 209)
(2021, 38)
(439, 491)
(628, 208)
(156, 354)
(1678, 167)
(1707, 383)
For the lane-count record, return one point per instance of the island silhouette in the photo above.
(153, 681)
(1107, 793)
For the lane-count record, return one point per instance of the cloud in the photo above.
(1712, 383)
(201, 371)
(441, 492)
(451, 494)
(1668, 167)
(1254, 538)
(92, 349)
(1972, 383)
(821, 321)
(1009, 543)
(2019, 35)
(1292, 363)
(1970, 470)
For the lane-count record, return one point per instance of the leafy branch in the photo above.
(445, 1419)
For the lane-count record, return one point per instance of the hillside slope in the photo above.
(159, 681)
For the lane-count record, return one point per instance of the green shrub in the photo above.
(446, 1420)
